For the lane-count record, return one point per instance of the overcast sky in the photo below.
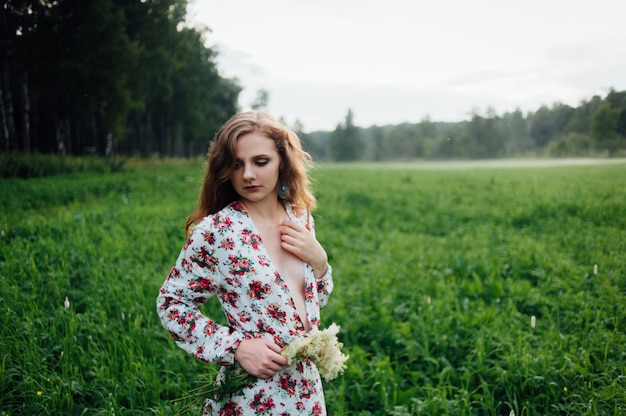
(392, 61)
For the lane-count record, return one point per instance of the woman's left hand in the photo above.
(302, 243)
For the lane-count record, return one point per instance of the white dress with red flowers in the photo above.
(225, 257)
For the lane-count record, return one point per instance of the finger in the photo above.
(287, 230)
(276, 357)
(294, 226)
(272, 346)
(290, 240)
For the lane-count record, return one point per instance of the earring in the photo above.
(283, 190)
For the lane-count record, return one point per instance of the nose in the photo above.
(248, 172)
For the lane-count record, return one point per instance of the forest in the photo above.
(132, 78)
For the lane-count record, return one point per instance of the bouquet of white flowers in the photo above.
(322, 348)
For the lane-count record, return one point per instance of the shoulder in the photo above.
(228, 218)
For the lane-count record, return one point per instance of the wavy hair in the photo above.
(217, 190)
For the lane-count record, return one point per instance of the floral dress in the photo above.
(225, 257)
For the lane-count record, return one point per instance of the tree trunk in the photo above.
(8, 122)
(4, 143)
(26, 115)
(109, 144)
(61, 136)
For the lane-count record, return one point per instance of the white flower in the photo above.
(66, 303)
(322, 348)
(533, 321)
(595, 269)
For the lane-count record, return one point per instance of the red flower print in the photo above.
(258, 290)
(246, 236)
(222, 223)
(209, 329)
(200, 284)
(239, 265)
(209, 237)
(306, 389)
(261, 403)
(189, 325)
(263, 261)
(279, 341)
(288, 384)
(244, 316)
(308, 292)
(227, 244)
(199, 352)
(229, 297)
(321, 287)
(231, 409)
(174, 274)
(274, 311)
(264, 329)
(249, 238)
(280, 282)
(205, 259)
(186, 265)
(207, 283)
(173, 315)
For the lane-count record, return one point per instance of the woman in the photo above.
(251, 243)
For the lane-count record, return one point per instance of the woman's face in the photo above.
(257, 165)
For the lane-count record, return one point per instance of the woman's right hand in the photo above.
(260, 357)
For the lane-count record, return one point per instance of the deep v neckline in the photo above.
(272, 264)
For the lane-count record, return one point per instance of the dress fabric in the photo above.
(224, 256)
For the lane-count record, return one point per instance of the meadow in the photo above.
(459, 290)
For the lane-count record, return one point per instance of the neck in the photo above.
(267, 212)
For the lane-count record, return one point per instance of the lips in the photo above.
(252, 188)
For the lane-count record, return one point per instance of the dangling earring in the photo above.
(283, 190)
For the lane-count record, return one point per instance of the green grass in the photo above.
(438, 273)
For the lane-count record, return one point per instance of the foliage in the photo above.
(345, 142)
(492, 135)
(572, 144)
(32, 165)
(458, 291)
(108, 76)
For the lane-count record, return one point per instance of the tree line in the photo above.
(103, 77)
(597, 127)
(108, 77)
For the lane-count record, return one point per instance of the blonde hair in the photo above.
(217, 190)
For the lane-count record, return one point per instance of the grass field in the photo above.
(460, 289)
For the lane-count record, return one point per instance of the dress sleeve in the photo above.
(193, 280)
(325, 283)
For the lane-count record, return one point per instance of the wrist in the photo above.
(320, 270)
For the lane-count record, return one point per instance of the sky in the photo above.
(395, 61)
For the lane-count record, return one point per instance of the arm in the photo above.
(192, 281)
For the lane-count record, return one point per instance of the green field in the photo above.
(459, 289)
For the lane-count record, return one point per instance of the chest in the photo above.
(290, 267)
